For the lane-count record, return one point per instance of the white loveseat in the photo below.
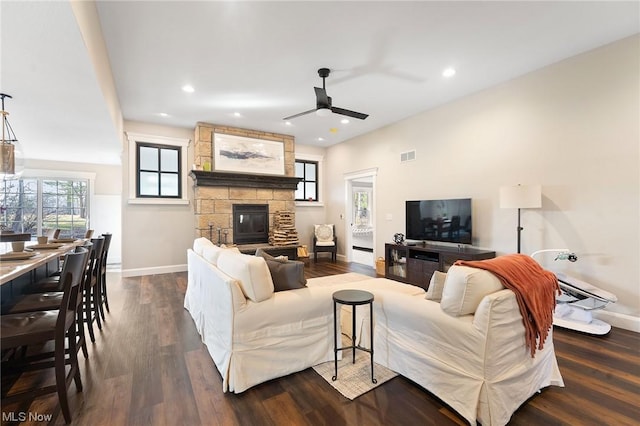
(467, 349)
(473, 357)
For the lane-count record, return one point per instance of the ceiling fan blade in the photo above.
(321, 97)
(349, 113)
(299, 114)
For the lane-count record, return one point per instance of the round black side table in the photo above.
(352, 298)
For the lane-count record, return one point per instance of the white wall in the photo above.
(155, 237)
(572, 127)
(309, 214)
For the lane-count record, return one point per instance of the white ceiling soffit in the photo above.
(260, 60)
(58, 111)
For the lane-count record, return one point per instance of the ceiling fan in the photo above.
(323, 102)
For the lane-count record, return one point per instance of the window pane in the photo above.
(49, 187)
(148, 158)
(310, 189)
(148, 183)
(299, 169)
(169, 160)
(168, 184)
(300, 191)
(310, 171)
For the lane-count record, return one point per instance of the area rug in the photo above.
(354, 379)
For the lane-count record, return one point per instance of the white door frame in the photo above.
(348, 186)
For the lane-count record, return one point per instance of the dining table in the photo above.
(13, 266)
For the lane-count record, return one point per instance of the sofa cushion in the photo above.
(435, 286)
(251, 272)
(286, 274)
(200, 243)
(211, 253)
(465, 287)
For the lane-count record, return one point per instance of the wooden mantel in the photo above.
(202, 178)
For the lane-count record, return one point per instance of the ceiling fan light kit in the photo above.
(324, 105)
(323, 112)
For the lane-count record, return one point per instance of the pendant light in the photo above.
(9, 148)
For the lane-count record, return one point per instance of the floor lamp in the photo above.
(520, 197)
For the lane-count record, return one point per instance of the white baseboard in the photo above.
(153, 270)
(627, 322)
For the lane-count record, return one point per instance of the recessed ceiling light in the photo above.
(163, 114)
(237, 114)
(287, 123)
(320, 139)
(344, 121)
(188, 88)
(449, 72)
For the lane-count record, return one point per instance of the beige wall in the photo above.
(572, 127)
(155, 237)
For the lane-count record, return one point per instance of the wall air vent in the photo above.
(407, 156)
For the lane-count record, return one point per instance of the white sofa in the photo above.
(473, 357)
(252, 333)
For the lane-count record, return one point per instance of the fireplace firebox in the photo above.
(250, 223)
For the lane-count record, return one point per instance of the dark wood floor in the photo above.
(148, 367)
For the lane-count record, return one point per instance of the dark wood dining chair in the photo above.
(104, 300)
(92, 289)
(37, 328)
(52, 300)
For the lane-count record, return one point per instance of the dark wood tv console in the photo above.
(415, 264)
(291, 251)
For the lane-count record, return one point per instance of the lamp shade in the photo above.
(521, 197)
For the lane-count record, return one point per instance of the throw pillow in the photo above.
(251, 272)
(286, 274)
(435, 286)
(324, 234)
(200, 243)
(211, 253)
(464, 289)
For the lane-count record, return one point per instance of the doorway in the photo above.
(360, 215)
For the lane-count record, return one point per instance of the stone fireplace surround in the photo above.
(215, 193)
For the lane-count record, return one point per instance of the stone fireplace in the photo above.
(216, 193)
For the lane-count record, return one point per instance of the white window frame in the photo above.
(183, 144)
(319, 179)
(90, 177)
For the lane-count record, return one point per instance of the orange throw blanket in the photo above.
(535, 290)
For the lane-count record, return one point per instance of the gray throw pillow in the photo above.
(286, 274)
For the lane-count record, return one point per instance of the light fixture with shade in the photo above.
(520, 197)
(10, 151)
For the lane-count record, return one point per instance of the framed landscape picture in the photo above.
(247, 155)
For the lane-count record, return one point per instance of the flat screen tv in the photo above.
(439, 220)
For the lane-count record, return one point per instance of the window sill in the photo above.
(158, 201)
(309, 204)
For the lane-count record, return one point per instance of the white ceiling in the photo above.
(260, 59)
